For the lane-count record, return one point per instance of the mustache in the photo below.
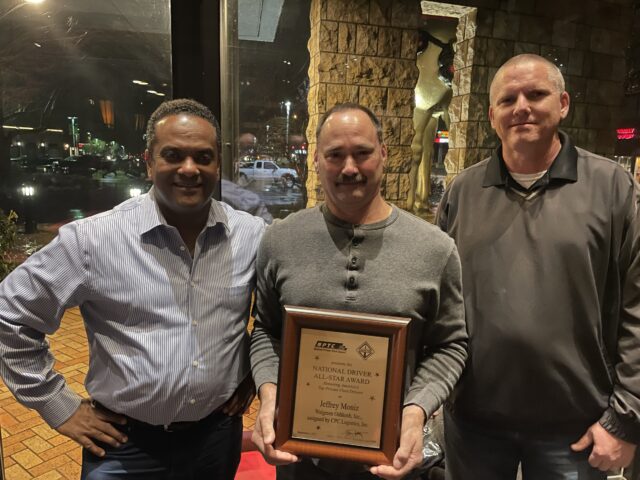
(351, 179)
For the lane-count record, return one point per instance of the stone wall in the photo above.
(365, 51)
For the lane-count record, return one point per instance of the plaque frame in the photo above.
(395, 329)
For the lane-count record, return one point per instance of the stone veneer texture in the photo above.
(365, 51)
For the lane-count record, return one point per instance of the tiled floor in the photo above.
(31, 448)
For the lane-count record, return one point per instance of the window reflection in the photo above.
(78, 81)
(271, 160)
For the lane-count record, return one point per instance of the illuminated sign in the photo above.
(626, 133)
(442, 136)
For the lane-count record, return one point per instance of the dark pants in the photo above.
(472, 453)
(306, 470)
(209, 450)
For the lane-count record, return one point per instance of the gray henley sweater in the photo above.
(401, 266)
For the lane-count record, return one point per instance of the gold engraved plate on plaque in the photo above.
(340, 388)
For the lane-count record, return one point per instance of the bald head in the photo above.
(555, 76)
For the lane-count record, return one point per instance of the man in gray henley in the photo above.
(356, 252)
(548, 239)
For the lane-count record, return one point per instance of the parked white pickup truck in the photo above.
(266, 170)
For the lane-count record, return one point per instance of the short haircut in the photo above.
(341, 107)
(176, 107)
(555, 75)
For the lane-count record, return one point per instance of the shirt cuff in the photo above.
(58, 410)
(264, 375)
(424, 400)
(620, 427)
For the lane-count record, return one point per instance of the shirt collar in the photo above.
(151, 217)
(563, 168)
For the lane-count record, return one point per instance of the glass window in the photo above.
(78, 81)
(269, 158)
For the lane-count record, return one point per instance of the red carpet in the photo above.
(253, 467)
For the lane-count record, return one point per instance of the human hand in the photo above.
(609, 452)
(88, 424)
(263, 433)
(241, 398)
(409, 454)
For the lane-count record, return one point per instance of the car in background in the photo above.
(84, 165)
(37, 164)
(266, 170)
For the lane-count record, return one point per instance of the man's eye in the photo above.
(204, 158)
(171, 155)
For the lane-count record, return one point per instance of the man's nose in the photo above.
(522, 104)
(188, 166)
(350, 166)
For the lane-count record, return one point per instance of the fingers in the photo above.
(110, 417)
(264, 435)
(583, 442)
(88, 425)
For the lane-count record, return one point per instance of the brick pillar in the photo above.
(365, 51)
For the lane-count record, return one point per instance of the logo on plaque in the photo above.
(365, 350)
(331, 346)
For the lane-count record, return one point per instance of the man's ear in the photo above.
(148, 161)
(565, 102)
(315, 161)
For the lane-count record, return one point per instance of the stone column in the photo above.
(365, 51)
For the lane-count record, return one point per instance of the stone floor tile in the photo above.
(70, 470)
(51, 475)
(37, 444)
(49, 465)
(27, 459)
(16, 472)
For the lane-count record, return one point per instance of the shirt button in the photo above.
(352, 281)
(194, 363)
(354, 260)
(355, 242)
(193, 284)
(192, 401)
(182, 248)
(194, 323)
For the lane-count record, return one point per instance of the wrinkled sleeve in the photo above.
(33, 299)
(442, 214)
(444, 341)
(622, 418)
(267, 327)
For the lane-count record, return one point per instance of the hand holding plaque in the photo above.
(340, 385)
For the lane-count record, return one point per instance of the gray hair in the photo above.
(341, 107)
(176, 107)
(555, 75)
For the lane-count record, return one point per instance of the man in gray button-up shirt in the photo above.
(548, 240)
(356, 252)
(164, 283)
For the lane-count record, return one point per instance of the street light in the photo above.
(28, 192)
(20, 4)
(287, 104)
(74, 132)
